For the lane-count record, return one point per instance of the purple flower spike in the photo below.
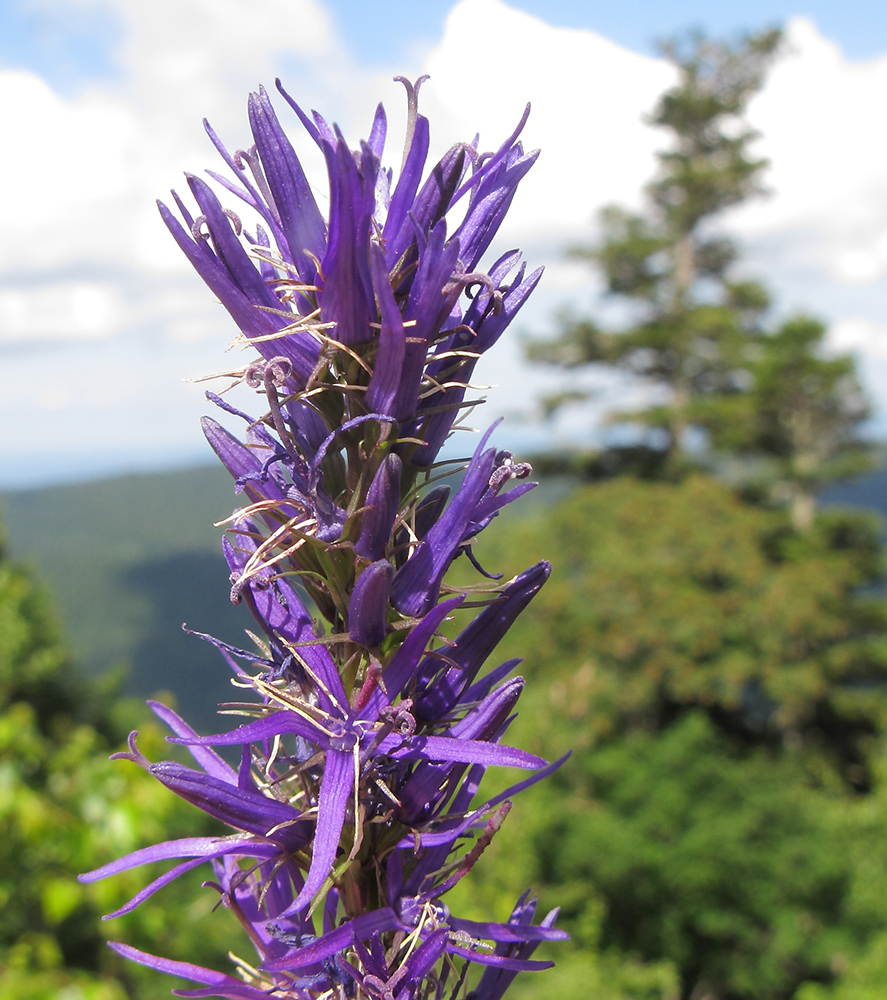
(356, 805)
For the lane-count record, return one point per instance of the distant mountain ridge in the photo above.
(129, 559)
(869, 491)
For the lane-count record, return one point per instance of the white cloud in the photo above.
(85, 259)
(822, 233)
(821, 118)
(82, 175)
(63, 172)
(72, 310)
(587, 94)
(860, 336)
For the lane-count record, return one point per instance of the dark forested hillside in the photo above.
(128, 560)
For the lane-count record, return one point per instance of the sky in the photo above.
(101, 102)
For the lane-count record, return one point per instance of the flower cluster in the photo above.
(354, 806)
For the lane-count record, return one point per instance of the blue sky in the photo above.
(71, 44)
(859, 26)
(102, 321)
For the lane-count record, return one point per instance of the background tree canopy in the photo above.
(65, 808)
(715, 652)
(720, 677)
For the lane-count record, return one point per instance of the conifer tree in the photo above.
(692, 316)
(802, 411)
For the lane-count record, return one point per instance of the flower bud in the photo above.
(368, 610)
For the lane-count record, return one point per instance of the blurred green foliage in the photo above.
(718, 659)
(721, 679)
(718, 832)
(64, 809)
(802, 413)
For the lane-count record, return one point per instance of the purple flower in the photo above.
(356, 804)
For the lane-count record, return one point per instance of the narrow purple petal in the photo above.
(498, 961)
(378, 130)
(208, 759)
(489, 506)
(299, 215)
(335, 791)
(241, 992)
(240, 461)
(309, 126)
(232, 653)
(242, 810)
(463, 751)
(275, 724)
(475, 643)
(425, 958)
(225, 986)
(513, 790)
(359, 929)
(485, 720)
(188, 847)
(508, 932)
(407, 185)
(158, 883)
